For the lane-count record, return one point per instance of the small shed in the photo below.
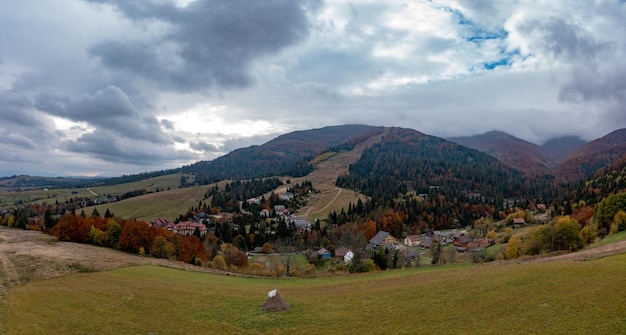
(518, 222)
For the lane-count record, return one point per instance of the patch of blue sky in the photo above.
(481, 35)
(493, 65)
(475, 33)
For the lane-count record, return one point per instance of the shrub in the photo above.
(620, 220)
(589, 233)
(567, 235)
(515, 246)
(219, 262)
(508, 232)
(368, 265)
(478, 256)
(234, 256)
(161, 248)
(310, 270)
(280, 270)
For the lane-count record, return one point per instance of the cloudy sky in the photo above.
(111, 87)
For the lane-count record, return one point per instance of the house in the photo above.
(427, 242)
(382, 238)
(286, 196)
(159, 223)
(221, 217)
(431, 238)
(324, 253)
(280, 210)
(412, 240)
(461, 242)
(518, 222)
(479, 244)
(340, 253)
(264, 213)
(541, 208)
(301, 224)
(255, 201)
(189, 228)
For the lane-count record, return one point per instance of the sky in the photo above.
(112, 87)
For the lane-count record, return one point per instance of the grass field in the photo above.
(530, 298)
(165, 204)
(8, 198)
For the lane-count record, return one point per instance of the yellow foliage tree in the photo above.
(515, 247)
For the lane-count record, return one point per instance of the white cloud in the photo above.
(103, 80)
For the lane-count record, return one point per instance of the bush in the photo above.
(310, 270)
(267, 248)
(567, 234)
(478, 256)
(589, 233)
(219, 262)
(620, 220)
(508, 232)
(316, 260)
(368, 265)
(515, 246)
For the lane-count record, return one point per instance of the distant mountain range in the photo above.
(564, 159)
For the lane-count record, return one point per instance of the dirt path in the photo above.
(591, 253)
(324, 177)
(308, 212)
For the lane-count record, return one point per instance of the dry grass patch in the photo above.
(165, 204)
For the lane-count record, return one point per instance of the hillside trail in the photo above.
(326, 172)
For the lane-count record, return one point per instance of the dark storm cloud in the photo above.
(17, 141)
(209, 43)
(203, 146)
(241, 142)
(109, 146)
(109, 109)
(21, 125)
(17, 110)
(167, 124)
(592, 60)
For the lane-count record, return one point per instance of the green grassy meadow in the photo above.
(506, 298)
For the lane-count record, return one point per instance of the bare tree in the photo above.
(287, 248)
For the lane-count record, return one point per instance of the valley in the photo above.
(479, 219)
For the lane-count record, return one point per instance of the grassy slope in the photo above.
(530, 298)
(7, 197)
(166, 204)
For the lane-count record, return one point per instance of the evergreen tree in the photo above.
(48, 221)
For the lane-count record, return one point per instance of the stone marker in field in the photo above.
(274, 303)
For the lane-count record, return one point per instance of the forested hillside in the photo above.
(285, 155)
(512, 151)
(457, 184)
(591, 157)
